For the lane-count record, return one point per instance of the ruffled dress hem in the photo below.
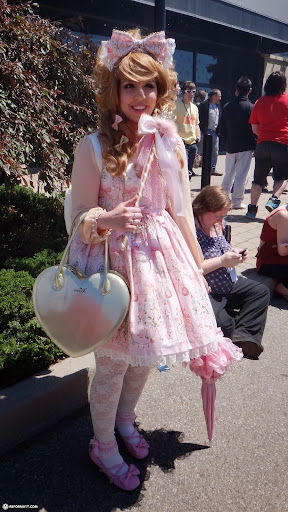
(213, 366)
(216, 356)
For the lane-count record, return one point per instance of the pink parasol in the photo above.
(210, 368)
(208, 393)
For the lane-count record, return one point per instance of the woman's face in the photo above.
(211, 218)
(137, 98)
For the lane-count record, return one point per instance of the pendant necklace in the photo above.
(189, 115)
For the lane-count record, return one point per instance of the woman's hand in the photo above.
(125, 217)
(230, 259)
(243, 253)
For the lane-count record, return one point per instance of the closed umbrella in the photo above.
(208, 393)
(211, 367)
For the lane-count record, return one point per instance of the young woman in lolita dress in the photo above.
(170, 317)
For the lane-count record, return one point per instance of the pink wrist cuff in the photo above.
(97, 236)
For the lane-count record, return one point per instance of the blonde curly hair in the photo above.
(136, 66)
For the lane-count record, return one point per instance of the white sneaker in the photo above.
(241, 206)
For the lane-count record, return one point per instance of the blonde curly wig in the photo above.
(136, 66)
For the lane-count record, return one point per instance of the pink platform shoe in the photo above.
(128, 481)
(139, 450)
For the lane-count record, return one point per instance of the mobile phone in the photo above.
(242, 252)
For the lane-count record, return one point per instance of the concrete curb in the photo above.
(32, 405)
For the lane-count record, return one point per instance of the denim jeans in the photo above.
(191, 150)
(215, 148)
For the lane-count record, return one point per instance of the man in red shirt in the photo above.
(269, 120)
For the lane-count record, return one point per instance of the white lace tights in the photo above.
(116, 386)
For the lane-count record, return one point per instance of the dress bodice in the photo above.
(115, 189)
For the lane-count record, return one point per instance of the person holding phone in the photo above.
(272, 255)
(240, 304)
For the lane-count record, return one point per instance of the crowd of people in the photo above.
(245, 130)
(187, 302)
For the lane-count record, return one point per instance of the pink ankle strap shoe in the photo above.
(128, 481)
(139, 450)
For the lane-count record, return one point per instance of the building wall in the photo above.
(210, 54)
(274, 63)
(276, 10)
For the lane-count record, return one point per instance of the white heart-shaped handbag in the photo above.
(80, 313)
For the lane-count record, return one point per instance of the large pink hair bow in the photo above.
(121, 43)
(166, 139)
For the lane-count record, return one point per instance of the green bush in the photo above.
(24, 348)
(32, 237)
(30, 223)
(47, 104)
(35, 264)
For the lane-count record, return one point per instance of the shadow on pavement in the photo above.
(53, 469)
(278, 303)
(167, 446)
(234, 217)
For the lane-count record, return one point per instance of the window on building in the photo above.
(184, 65)
(205, 65)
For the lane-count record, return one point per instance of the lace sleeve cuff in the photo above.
(95, 235)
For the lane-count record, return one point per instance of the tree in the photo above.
(47, 100)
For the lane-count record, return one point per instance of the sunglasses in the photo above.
(186, 90)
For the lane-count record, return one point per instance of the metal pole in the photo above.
(206, 160)
(159, 16)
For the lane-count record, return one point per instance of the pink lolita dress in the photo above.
(170, 317)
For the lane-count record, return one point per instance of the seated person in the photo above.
(272, 255)
(240, 304)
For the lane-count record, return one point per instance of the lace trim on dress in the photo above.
(183, 357)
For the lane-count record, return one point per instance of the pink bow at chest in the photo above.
(165, 134)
